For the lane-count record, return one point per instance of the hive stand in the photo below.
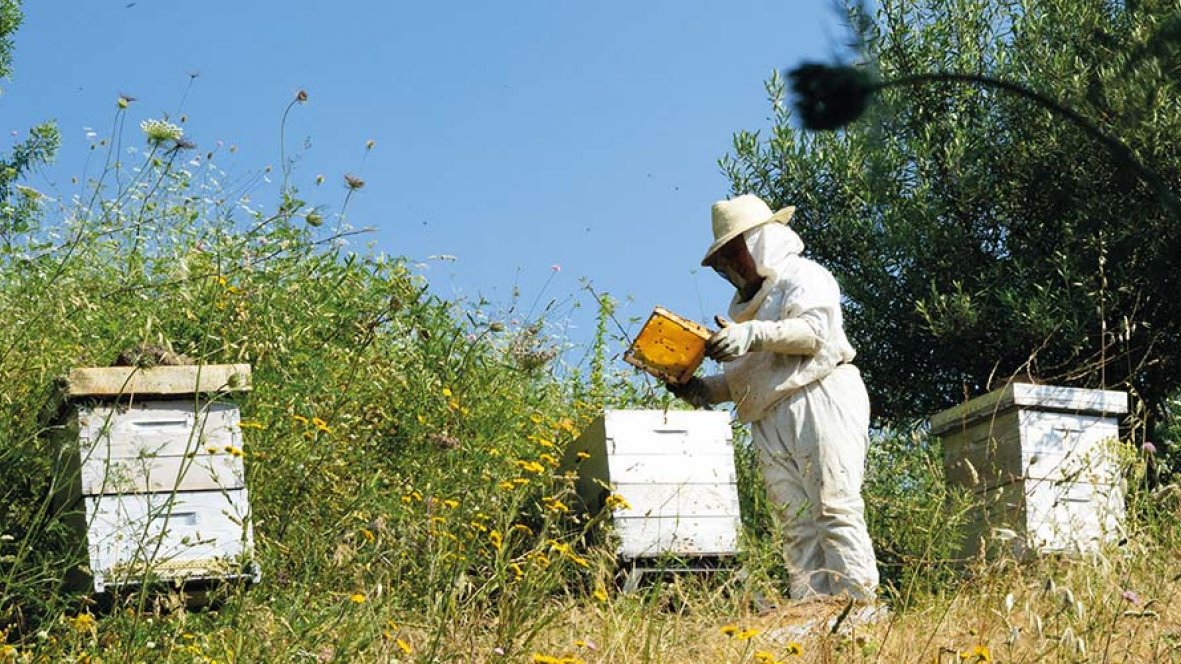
(151, 475)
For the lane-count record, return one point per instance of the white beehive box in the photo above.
(1042, 461)
(153, 477)
(675, 470)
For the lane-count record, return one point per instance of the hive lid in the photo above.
(159, 380)
(1028, 395)
(669, 347)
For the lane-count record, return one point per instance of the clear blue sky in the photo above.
(512, 135)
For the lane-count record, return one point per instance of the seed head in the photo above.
(353, 182)
(830, 97)
(301, 96)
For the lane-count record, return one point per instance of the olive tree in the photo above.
(979, 236)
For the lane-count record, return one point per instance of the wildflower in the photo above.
(566, 424)
(518, 573)
(523, 528)
(746, 634)
(535, 418)
(84, 622)
(211, 449)
(1148, 447)
(319, 424)
(1132, 597)
(550, 459)
(729, 630)
(555, 268)
(450, 503)
(582, 456)
(977, 654)
(519, 481)
(300, 418)
(585, 643)
(447, 392)
(453, 405)
(353, 182)
(579, 560)
(369, 144)
(531, 467)
(314, 218)
(794, 648)
(357, 598)
(506, 485)
(555, 505)
(319, 179)
(245, 424)
(404, 646)
(546, 443)
(496, 539)
(829, 97)
(764, 657)
(498, 651)
(7, 653)
(368, 534)
(617, 502)
(600, 593)
(301, 96)
(161, 131)
(124, 101)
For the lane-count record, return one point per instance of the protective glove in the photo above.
(732, 341)
(794, 336)
(699, 392)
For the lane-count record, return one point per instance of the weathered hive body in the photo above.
(154, 480)
(674, 469)
(1042, 461)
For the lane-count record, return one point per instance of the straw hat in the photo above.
(734, 217)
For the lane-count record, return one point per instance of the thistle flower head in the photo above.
(353, 182)
(829, 97)
(161, 131)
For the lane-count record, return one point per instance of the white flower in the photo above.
(161, 131)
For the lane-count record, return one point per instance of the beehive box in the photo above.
(668, 346)
(675, 472)
(152, 474)
(1042, 463)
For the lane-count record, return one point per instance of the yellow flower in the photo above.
(357, 598)
(7, 653)
(764, 657)
(566, 424)
(450, 503)
(84, 622)
(554, 505)
(453, 405)
(746, 634)
(549, 458)
(496, 539)
(531, 467)
(535, 418)
(300, 418)
(583, 456)
(404, 646)
(977, 655)
(368, 534)
(246, 424)
(447, 392)
(600, 593)
(729, 630)
(506, 485)
(545, 443)
(518, 573)
(616, 501)
(579, 560)
(519, 481)
(794, 648)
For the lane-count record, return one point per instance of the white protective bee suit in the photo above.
(809, 414)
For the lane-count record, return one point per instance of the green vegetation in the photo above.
(979, 236)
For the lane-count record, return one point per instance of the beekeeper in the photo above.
(787, 367)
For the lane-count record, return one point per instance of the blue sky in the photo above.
(515, 136)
